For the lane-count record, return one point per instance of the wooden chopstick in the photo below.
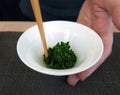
(37, 13)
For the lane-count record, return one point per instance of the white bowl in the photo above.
(86, 44)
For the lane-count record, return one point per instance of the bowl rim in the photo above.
(60, 72)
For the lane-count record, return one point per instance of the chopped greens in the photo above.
(60, 56)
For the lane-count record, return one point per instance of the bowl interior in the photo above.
(86, 44)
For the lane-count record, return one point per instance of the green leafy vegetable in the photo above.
(60, 56)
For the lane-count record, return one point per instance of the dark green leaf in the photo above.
(60, 56)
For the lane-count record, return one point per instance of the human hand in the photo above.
(100, 16)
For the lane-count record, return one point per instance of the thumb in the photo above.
(113, 7)
(116, 17)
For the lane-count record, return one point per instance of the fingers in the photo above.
(73, 79)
